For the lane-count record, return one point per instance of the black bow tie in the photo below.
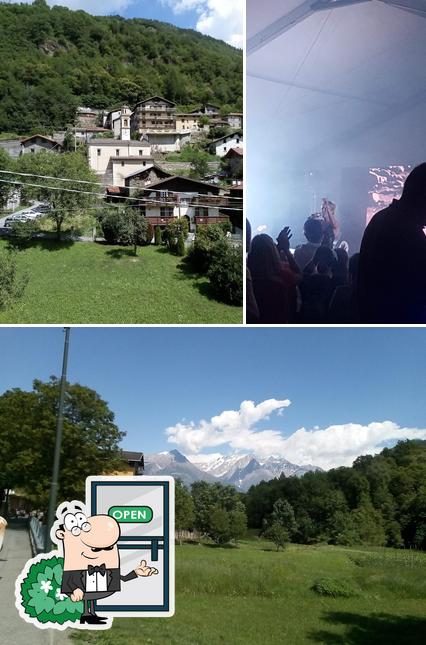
(93, 570)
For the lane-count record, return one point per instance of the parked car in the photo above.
(43, 208)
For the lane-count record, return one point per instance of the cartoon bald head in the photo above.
(86, 540)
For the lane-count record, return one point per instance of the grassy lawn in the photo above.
(96, 283)
(258, 596)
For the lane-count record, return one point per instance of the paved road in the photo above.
(13, 630)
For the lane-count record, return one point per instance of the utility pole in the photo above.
(58, 442)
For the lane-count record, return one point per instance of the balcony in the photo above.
(168, 200)
(215, 219)
(156, 108)
(214, 200)
(159, 221)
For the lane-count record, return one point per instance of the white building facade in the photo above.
(100, 152)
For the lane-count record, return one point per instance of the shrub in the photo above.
(226, 272)
(149, 233)
(158, 236)
(335, 588)
(201, 252)
(181, 245)
(41, 595)
(110, 225)
(126, 227)
(12, 285)
(21, 233)
(277, 534)
(177, 227)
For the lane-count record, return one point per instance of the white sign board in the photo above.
(144, 508)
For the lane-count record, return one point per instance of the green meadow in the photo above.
(304, 594)
(86, 282)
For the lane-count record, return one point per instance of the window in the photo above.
(117, 153)
(201, 212)
(140, 153)
(166, 211)
(122, 163)
(33, 150)
(126, 123)
(99, 152)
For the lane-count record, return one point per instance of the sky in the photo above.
(221, 19)
(312, 395)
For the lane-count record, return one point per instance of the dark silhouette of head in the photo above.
(314, 229)
(264, 259)
(414, 193)
(324, 260)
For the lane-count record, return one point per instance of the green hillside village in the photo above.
(125, 137)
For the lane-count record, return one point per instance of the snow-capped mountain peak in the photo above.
(240, 469)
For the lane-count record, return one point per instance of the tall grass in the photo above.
(252, 594)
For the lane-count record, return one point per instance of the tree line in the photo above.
(379, 500)
(55, 59)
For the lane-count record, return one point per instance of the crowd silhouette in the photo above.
(319, 283)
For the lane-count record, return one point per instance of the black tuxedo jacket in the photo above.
(72, 580)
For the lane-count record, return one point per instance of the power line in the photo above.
(137, 199)
(95, 183)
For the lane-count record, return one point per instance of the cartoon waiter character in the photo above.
(91, 558)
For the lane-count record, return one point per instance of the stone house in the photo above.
(145, 176)
(38, 142)
(235, 120)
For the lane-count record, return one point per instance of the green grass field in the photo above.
(96, 283)
(258, 596)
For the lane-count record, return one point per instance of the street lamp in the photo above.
(58, 441)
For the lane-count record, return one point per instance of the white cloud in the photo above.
(330, 447)
(340, 445)
(232, 427)
(221, 19)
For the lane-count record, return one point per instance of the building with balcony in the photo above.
(154, 114)
(196, 201)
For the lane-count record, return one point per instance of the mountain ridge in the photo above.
(240, 470)
(55, 59)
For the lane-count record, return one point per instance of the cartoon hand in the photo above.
(144, 571)
(77, 595)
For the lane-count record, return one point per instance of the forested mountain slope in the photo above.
(379, 500)
(55, 59)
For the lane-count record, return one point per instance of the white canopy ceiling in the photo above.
(343, 87)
